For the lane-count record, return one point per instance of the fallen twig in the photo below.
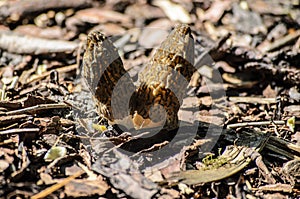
(281, 42)
(16, 131)
(59, 70)
(37, 108)
(7, 120)
(253, 100)
(243, 124)
(57, 186)
(16, 10)
(33, 45)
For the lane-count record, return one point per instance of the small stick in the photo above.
(282, 42)
(33, 45)
(16, 131)
(243, 124)
(46, 74)
(13, 11)
(36, 108)
(57, 186)
(253, 100)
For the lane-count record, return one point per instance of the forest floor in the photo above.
(239, 134)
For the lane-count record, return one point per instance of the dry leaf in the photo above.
(175, 12)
